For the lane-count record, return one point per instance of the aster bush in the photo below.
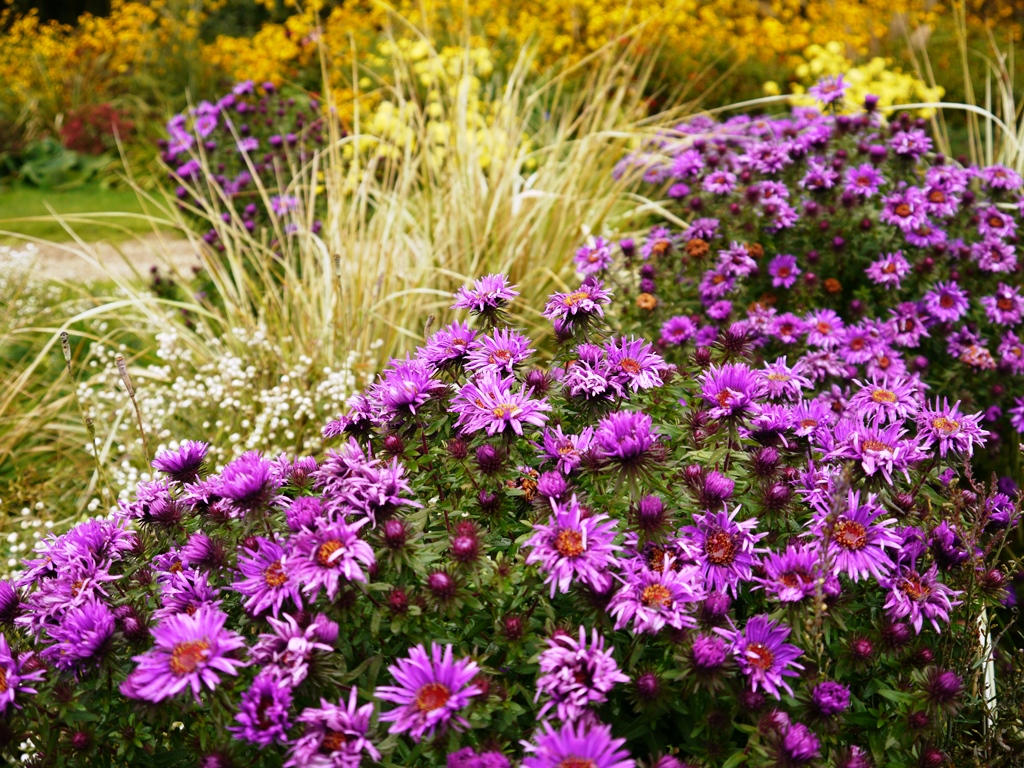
(592, 558)
(843, 250)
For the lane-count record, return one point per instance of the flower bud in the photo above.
(765, 462)
(398, 601)
(441, 586)
(395, 534)
(489, 502)
(457, 448)
(648, 686)
(393, 445)
(552, 485)
(512, 627)
(489, 459)
(465, 545)
(650, 516)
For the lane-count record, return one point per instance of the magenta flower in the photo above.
(659, 242)
(430, 691)
(578, 745)
(574, 544)
(857, 539)
(1006, 307)
(678, 330)
(779, 380)
(594, 257)
(952, 429)
(905, 209)
(783, 270)
(81, 636)
(918, 597)
(184, 464)
(719, 182)
(726, 549)
(946, 302)
(575, 675)
(266, 581)
(449, 346)
(829, 89)
(864, 180)
(322, 558)
(653, 599)
(577, 308)
(498, 353)
(189, 652)
(730, 389)
(878, 448)
(792, 576)
(488, 295)
(488, 402)
(335, 736)
(14, 676)
(823, 328)
(404, 387)
(890, 401)
(566, 451)
(289, 648)
(263, 711)
(1001, 178)
(763, 655)
(889, 270)
(830, 698)
(634, 363)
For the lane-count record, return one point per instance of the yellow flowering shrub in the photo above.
(878, 76)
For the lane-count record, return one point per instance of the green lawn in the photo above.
(19, 202)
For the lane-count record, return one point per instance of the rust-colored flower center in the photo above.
(332, 742)
(660, 247)
(499, 356)
(724, 398)
(697, 248)
(786, 329)
(505, 409)
(784, 271)
(912, 587)
(577, 762)
(884, 362)
(945, 301)
(188, 655)
(883, 396)
(849, 534)
(864, 181)
(824, 328)
(717, 279)
(646, 301)
(3, 680)
(274, 576)
(832, 285)
(656, 596)
(569, 543)
(875, 445)
(719, 548)
(995, 221)
(575, 298)
(857, 344)
(1005, 304)
(432, 696)
(630, 366)
(328, 554)
(902, 210)
(937, 196)
(760, 656)
(808, 423)
(656, 560)
(794, 579)
(889, 267)
(942, 424)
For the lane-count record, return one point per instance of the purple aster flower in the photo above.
(908, 324)
(634, 363)
(719, 182)
(829, 89)
(246, 485)
(819, 176)
(726, 549)
(918, 597)
(263, 711)
(787, 328)
(799, 745)
(14, 676)
(365, 485)
(185, 591)
(878, 448)
(864, 180)
(1011, 353)
(889, 270)
(322, 558)
(654, 599)
(189, 652)
(779, 380)
(266, 580)
(730, 389)
(448, 346)
(467, 757)
(823, 327)
(1006, 307)
(488, 402)
(702, 229)
(81, 636)
(594, 257)
(905, 209)
(283, 204)
(706, 658)
(248, 144)
(498, 353)
(783, 270)
(574, 544)
(792, 576)
(430, 691)
(487, 296)
(715, 285)
(184, 464)
(581, 745)
(952, 429)
(625, 438)
(946, 546)
(405, 387)
(566, 451)
(575, 675)
(910, 144)
(335, 736)
(764, 655)
(995, 224)
(830, 698)
(994, 255)
(888, 401)
(946, 302)
(659, 242)
(857, 539)
(719, 310)
(1001, 178)
(678, 330)
(289, 648)
(735, 261)
(577, 308)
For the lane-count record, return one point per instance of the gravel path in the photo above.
(71, 263)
